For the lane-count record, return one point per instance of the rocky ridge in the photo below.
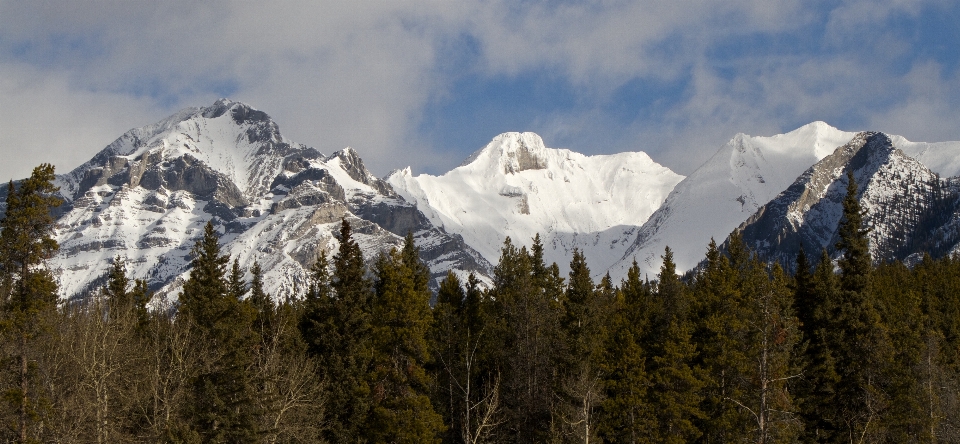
(146, 197)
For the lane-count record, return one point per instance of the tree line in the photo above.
(736, 351)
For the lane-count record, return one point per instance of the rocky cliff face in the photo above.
(908, 207)
(146, 197)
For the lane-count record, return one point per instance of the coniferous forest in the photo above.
(739, 350)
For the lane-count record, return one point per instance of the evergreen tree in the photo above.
(236, 285)
(262, 304)
(674, 378)
(343, 344)
(223, 405)
(582, 334)
(402, 411)
(448, 346)
(625, 412)
(28, 289)
(140, 296)
(720, 316)
(119, 299)
(816, 391)
(315, 314)
(863, 347)
(519, 341)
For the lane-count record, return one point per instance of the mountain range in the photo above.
(146, 196)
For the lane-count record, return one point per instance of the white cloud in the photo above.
(45, 120)
(361, 73)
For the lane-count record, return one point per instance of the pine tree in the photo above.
(402, 411)
(448, 347)
(863, 348)
(28, 289)
(223, 408)
(721, 336)
(343, 343)
(262, 304)
(236, 285)
(816, 390)
(625, 412)
(119, 299)
(674, 378)
(519, 342)
(582, 334)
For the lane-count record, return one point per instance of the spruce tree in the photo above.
(626, 414)
(863, 347)
(816, 390)
(236, 285)
(448, 346)
(582, 334)
(401, 410)
(116, 293)
(675, 380)
(343, 344)
(223, 405)
(29, 291)
(720, 315)
(519, 342)
(262, 303)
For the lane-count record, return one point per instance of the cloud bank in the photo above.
(425, 83)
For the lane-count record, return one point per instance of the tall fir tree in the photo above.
(343, 344)
(581, 332)
(720, 334)
(674, 378)
(223, 405)
(518, 345)
(28, 289)
(118, 297)
(625, 414)
(401, 410)
(864, 351)
(448, 346)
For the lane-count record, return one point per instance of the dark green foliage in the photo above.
(626, 413)
(861, 341)
(739, 352)
(28, 291)
(520, 338)
(342, 341)
(224, 408)
(673, 376)
(116, 289)
(401, 409)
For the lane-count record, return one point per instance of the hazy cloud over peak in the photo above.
(426, 83)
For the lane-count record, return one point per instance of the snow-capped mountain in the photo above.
(908, 207)
(517, 187)
(726, 190)
(146, 197)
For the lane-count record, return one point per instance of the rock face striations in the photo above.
(909, 208)
(146, 197)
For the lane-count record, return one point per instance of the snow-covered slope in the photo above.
(906, 205)
(741, 177)
(147, 196)
(517, 187)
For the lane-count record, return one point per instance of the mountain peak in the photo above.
(511, 153)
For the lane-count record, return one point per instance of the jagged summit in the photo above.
(517, 187)
(231, 139)
(511, 153)
(147, 195)
(905, 203)
(743, 175)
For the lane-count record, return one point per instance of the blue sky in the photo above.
(426, 83)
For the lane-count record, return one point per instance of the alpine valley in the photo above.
(147, 196)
